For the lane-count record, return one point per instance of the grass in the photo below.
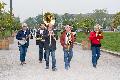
(81, 36)
(111, 40)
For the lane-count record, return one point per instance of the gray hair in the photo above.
(67, 26)
(24, 25)
(97, 26)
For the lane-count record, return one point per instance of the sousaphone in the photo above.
(48, 18)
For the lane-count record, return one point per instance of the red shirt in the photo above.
(95, 39)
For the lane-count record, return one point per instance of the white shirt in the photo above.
(41, 31)
(67, 37)
(24, 31)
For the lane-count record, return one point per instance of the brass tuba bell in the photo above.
(49, 18)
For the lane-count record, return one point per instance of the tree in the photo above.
(16, 23)
(7, 21)
(101, 17)
(2, 5)
(57, 19)
(67, 18)
(31, 22)
(116, 20)
(86, 24)
(39, 19)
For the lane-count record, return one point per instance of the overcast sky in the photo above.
(31, 8)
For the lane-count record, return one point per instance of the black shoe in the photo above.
(21, 63)
(94, 66)
(40, 61)
(54, 69)
(66, 68)
(24, 62)
(47, 67)
(69, 65)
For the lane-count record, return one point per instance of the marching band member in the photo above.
(40, 37)
(50, 47)
(67, 40)
(23, 42)
(95, 37)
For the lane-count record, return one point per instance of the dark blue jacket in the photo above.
(21, 35)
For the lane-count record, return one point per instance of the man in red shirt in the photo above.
(95, 37)
(67, 40)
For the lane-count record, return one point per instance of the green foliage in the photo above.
(31, 22)
(102, 17)
(16, 24)
(67, 19)
(2, 5)
(39, 19)
(82, 21)
(7, 22)
(86, 24)
(116, 20)
(57, 19)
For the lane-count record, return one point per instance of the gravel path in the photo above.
(108, 67)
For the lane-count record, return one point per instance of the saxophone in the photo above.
(69, 42)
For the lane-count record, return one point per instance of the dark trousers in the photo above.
(23, 50)
(95, 54)
(41, 46)
(45, 55)
(52, 52)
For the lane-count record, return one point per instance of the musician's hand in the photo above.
(29, 36)
(53, 34)
(65, 46)
(97, 32)
(100, 34)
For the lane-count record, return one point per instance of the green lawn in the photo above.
(81, 36)
(111, 40)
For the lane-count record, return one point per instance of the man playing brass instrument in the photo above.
(67, 40)
(40, 41)
(50, 46)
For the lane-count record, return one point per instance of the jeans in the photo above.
(23, 50)
(48, 51)
(67, 57)
(95, 54)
